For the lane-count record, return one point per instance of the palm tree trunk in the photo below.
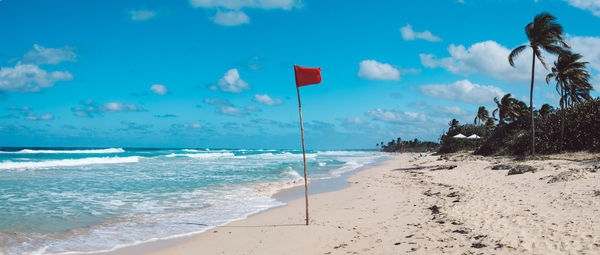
(531, 105)
(562, 117)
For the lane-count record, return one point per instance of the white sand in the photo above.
(385, 211)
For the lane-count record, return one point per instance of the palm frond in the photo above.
(514, 53)
(540, 57)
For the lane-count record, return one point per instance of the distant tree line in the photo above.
(397, 145)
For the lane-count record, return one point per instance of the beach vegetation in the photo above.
(581, 132)
(482, 116)
(450, 144)
(572, 83)
(398, 145)
(509, 109)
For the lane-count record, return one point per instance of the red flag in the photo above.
(307, 75)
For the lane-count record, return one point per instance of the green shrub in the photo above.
(451, 144)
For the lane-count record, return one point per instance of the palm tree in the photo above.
(572, 83)
(578, 91)
(522, 110)
(482, 115)
(546, 110)
(453, 124)
(507, 109)
(489, 124)
(543, 34)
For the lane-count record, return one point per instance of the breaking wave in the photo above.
(92, 151)
(68, 162)
(202, 155)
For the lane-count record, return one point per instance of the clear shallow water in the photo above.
(55, 201)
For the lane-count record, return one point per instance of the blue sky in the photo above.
(219, 74)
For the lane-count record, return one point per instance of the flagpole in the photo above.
(303, 155)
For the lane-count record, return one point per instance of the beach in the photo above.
(429, 205)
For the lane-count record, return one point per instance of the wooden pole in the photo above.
(303, 155)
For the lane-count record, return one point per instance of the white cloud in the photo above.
(139, 15)
(266, 99)
(408, 34)
(452, 110)
(46, 116)
(192, 125)
(588, 5)
(588, 47)
(231, 82)
(90, 109)
(26, 113)
(239, 4)
(230, 18)
(230, 110)
(487, 58)
(119, 107)
(355, 123)
(396, 116)
(373, 70)
(159, 89)
(464, 91)
(233, 15)
(217, 101)
(252, 108)
(29, 78)
(188, 127)
(440, 110)
(41, 55)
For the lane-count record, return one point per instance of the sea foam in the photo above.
(202, 155)
(68, 162)
(91, 151)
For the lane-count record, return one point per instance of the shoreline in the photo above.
(285, 195)
(454, 203)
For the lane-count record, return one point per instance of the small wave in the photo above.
(285, 155)
(289, 172)
(68, 162)
(352, 164)
(342, 153)
(190, 150)
(95, 151)
(202, 155)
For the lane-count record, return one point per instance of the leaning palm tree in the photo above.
(543, 34)
(546, 110)
(489, 124)
(506, 109)
(572, 83)
(578, 90)
(482, 115)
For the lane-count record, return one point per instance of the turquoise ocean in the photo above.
(73, 200)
